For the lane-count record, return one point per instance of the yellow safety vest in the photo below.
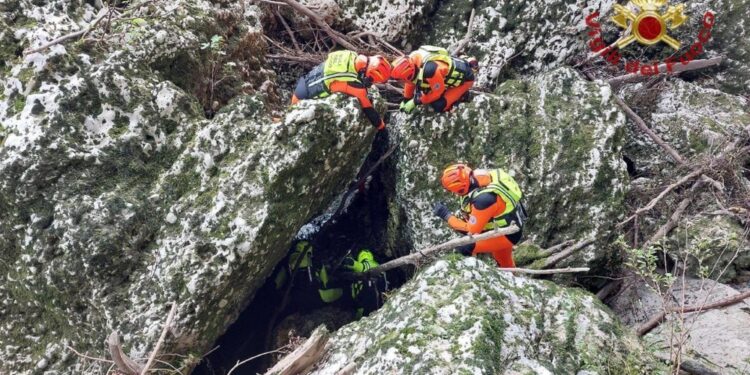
(339, 66)
(431, 53)
(503, 185)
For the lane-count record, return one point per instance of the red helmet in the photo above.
(378, 69)
(457, 178)
(403, 69)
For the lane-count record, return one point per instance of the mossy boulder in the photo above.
(462, 315)
(557, 134)
(118, 197)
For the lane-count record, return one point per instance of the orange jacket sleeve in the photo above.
(360, 93)
(409, 88)
(434, 75)
(479, 217)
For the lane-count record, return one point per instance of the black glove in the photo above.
(441, 211)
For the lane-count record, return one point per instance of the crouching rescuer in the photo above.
(432, 76)
(489, 199)
(348, 73)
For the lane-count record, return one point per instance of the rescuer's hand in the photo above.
(441, 211)
(407, 106)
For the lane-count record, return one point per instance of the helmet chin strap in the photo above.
(363, 74)
(473, 183)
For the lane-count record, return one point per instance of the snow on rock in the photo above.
(462, 315)
(560, 137)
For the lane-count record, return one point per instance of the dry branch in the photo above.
(73, 35)
(306, 355)
(657, 318)
(305, 59)
(553, 249)
(689, 366)
(289, 31)
(123, 362)
(546, 272)
(348, 369)
(160, 342)
(467, 37)
(662, 69)
(695, 173)
(335, 35)
(246, 360)
(644, 128)
(551, 261)
(676, 215)
(414, 257)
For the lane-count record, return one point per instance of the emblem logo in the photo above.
(648, 26)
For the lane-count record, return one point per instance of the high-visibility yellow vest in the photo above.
(503, 185)
(339, 66)
(455, 76)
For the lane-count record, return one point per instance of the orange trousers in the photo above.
(501, 249)
(451, 96)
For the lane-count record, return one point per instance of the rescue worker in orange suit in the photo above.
(348, 73)
(489, 199)
(434, 77)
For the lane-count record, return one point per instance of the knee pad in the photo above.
(439, 105)
(466, 249)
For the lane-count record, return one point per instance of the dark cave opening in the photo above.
(363, 225)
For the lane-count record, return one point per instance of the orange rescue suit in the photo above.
(441, 98)
(358, 91)
(483, 208)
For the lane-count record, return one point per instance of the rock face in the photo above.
(118, 197)
(691, 118)
(716, 338)
(560, 137)
(461, 315)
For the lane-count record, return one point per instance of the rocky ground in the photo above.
(152, 160)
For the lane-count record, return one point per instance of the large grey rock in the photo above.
(559, 135)
(716, 338)
(117, 196)
(691, 118)
(462, 315)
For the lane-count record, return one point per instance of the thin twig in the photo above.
(163, 335)
(551, 261)
(289, 31)
(72, 35)
(87, 356)
(335, 35)
(240, 363)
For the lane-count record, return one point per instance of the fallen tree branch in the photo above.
(553, 249)
(689, 366)
(467, 37)
(657, 318)
(674, 68)
(414, 257)
(307, 59)
(695, 173)
(246, 360)
(289, 32)
(546, 272)
(551, 261)
(104, 12)
(163, 336)
(359, 34)
(675, 218)
(335, 35)
(123, 362)
(644, 128)
(306, 355)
